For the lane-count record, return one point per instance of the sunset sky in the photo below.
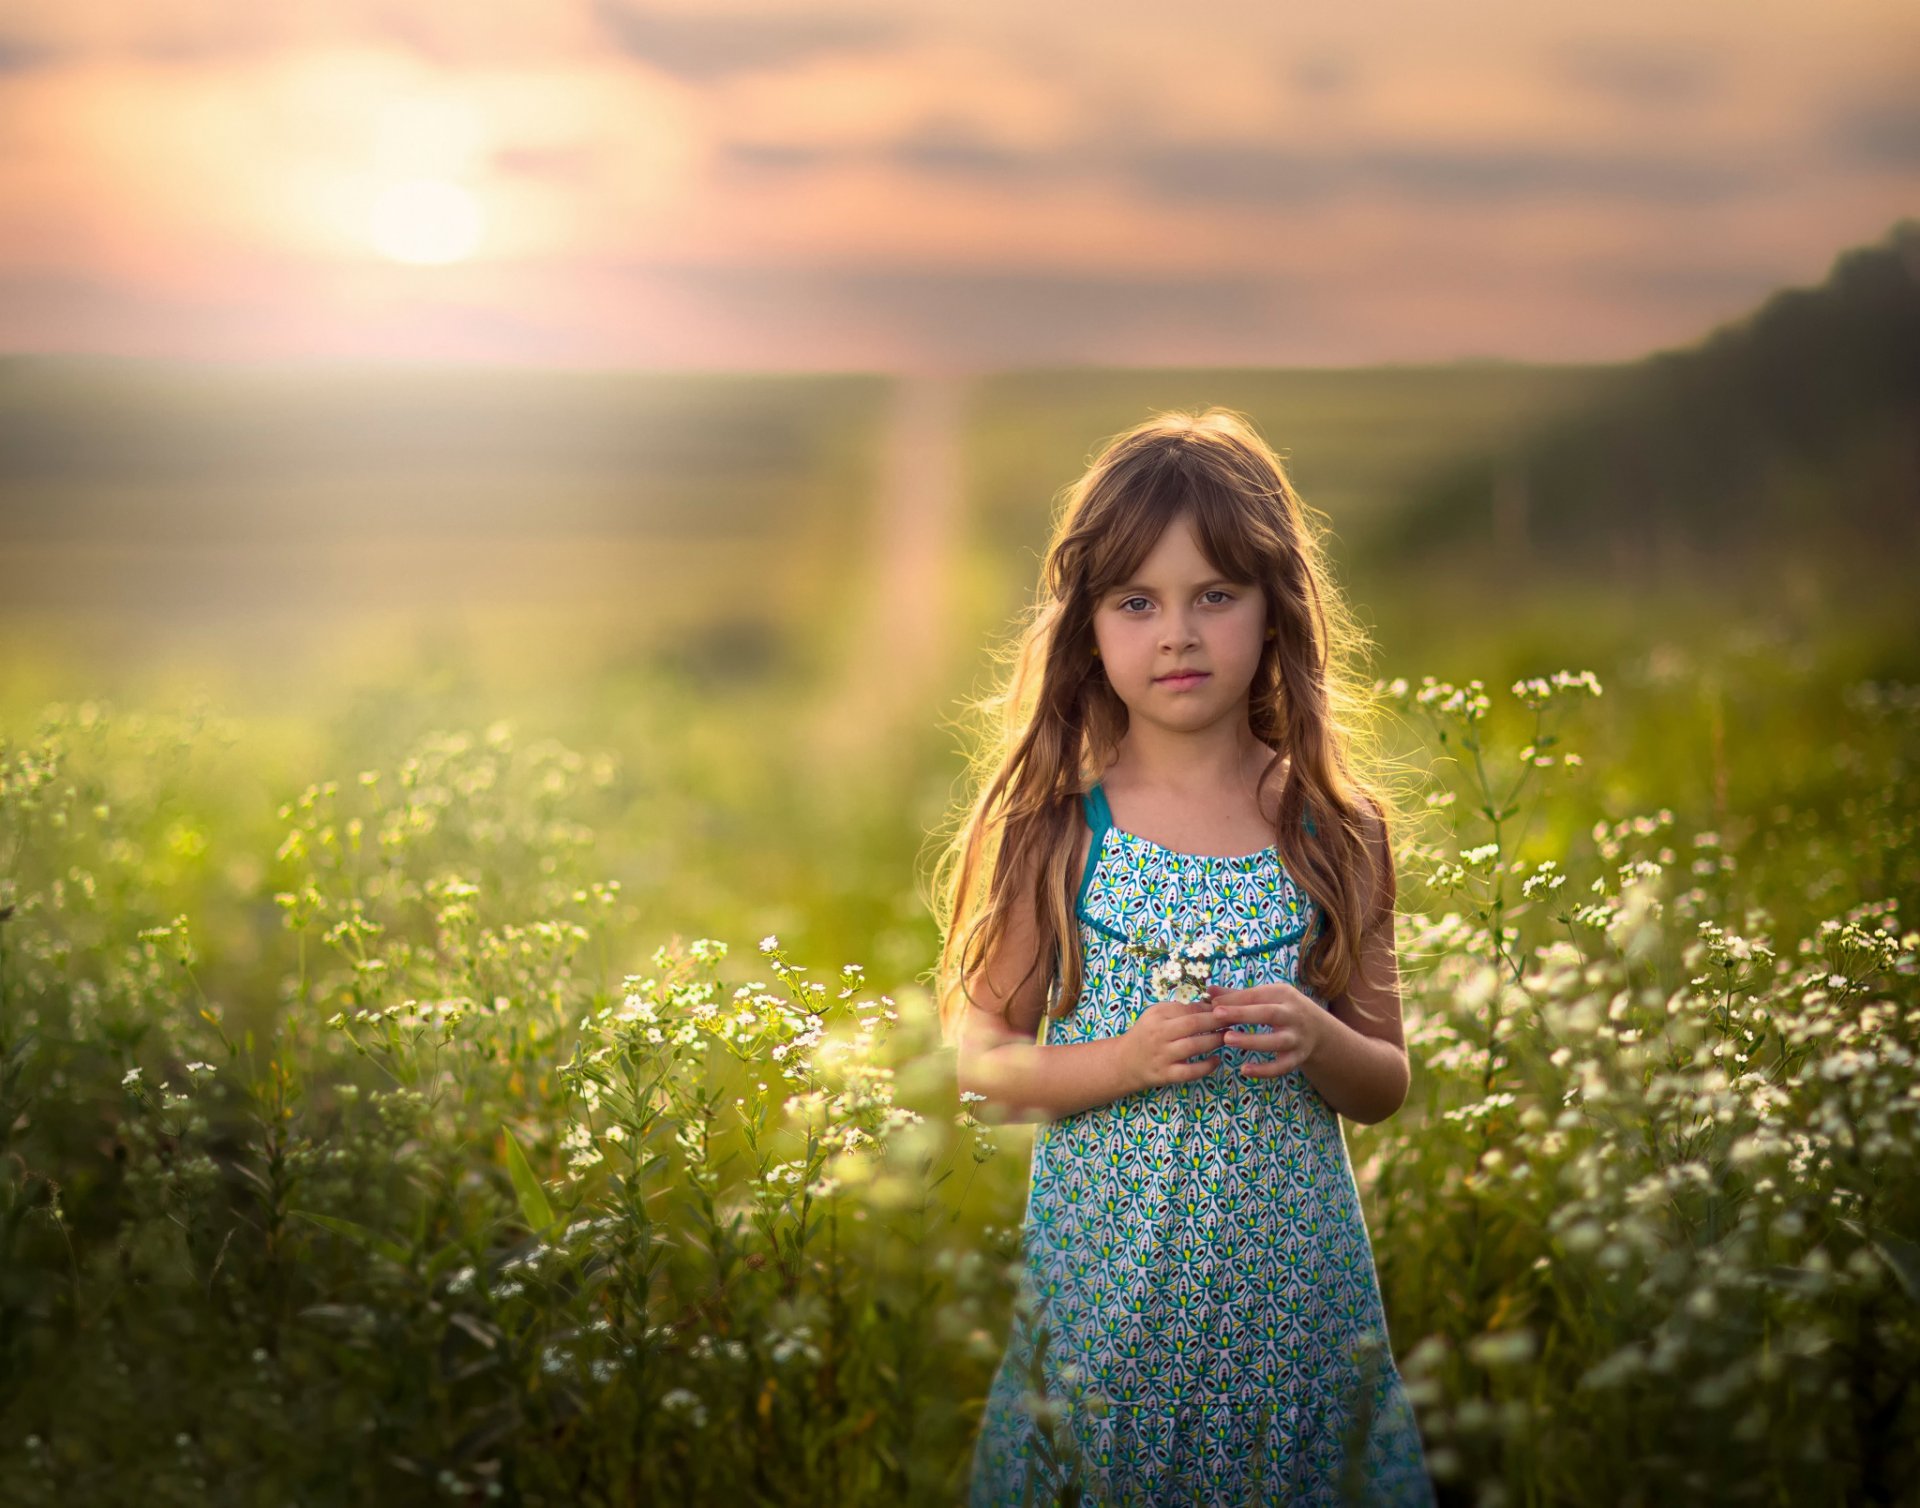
(915, 186)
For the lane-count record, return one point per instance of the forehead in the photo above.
(1175, 558)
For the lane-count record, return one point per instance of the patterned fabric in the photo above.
(1195, 1255)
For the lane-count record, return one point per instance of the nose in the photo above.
(1177, 632)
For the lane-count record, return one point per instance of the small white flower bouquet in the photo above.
(1183, 967)
(1183, 964)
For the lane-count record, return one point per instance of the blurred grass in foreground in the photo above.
(361, 1145)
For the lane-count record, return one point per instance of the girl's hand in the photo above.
(1298, 1025)
(1155, 1048)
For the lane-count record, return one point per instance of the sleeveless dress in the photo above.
(1195, 1258)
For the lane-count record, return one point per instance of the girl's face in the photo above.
(1176, 613)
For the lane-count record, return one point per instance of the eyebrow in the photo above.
(1137, 586)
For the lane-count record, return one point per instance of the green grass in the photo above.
(406, 1204)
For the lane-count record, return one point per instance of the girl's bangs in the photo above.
(1141, 514)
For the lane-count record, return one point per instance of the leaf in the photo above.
(482, 1332)
(533, 1198)
(493, 1427)
(1796, 1279)
(355, 1315)
(393, 1251)
(1900, 1254)
(450, 1255)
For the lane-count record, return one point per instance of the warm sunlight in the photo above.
(426, 220)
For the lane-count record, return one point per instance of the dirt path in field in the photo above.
(899, 634)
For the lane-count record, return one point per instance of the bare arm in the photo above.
(1360, 1066)
(1360, 1076)
(1025, 1080)
(1035, 1081)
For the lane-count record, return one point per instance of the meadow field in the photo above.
(464, 945)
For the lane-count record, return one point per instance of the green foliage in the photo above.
(460, 1220)
(346, 1160)
(1791, 426)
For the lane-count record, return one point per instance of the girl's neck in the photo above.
(1187, 768)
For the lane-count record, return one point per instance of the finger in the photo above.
(1271, 1068)
(1273, 1040)
(1188, 1071)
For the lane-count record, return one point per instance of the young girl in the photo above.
(1174, 768)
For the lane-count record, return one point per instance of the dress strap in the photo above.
(1307, 812)
(1099, 814)
(1099, 820)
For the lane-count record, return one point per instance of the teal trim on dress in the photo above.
(1259, 948)
(1099, 819)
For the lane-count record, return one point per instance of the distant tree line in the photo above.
(1798, 423)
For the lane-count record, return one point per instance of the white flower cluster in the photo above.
(706, 1348)
(1730, 950)
(1183, 974)
(1469, 703)
(532, 1257)
(795, 1342)
(1535, 692)
(1545, 880)
(1611, 840)
(579, 1142)
(1480, 1109)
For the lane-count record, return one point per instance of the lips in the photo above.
(1181, 678)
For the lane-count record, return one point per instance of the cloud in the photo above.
(1322, 74)
(1282, 176)
(159, 33)
(1882, 133)
(942, 149)
(1251, 175)
(22, 55)
(700, 46)
(1014, 315)
(1503, 174)
(184, 32)
(1688, 283)
(776, 156)
(953, 147)
(1231, 171)
(1646, 75)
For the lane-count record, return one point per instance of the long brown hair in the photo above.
(1056, 723)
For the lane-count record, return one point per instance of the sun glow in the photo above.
(426, 221)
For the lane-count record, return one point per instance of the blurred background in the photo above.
(695, 384)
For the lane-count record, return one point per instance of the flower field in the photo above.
(366, 1142)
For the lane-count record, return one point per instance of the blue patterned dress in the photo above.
(1195, 1253)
